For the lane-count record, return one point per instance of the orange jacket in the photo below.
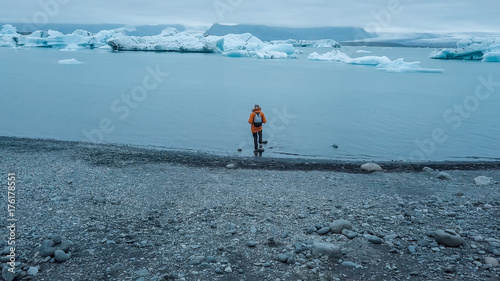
(252, 116)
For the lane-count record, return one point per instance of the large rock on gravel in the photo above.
(492, 261)
(374, 239)
(48, 247)
(33, 270)
(338, 225)
(13, 274)
(444, 176)
(326, 249)
(323, 230)
(448, 237)
(116, 270)
(482, 180)
(428, 170)
(61, 256)
(371, 167)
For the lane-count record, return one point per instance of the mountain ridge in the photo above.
(268, 33)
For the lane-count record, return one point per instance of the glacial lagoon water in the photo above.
(201, 102)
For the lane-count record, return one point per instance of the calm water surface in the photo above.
(205, 100)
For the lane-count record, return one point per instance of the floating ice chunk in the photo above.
(470, 49)
(71, 48)
(168, 41)
(9, 36)
(400, 65)
(264, 54)
(247, 45)
(363, 52)
(492, 57)
(245, 41)
(383, 62)
(334, 55)
(70, 61)
(236, 53)
(8, 30)
(370, 60)
(287, 49)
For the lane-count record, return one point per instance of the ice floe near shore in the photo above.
(381, 62)
(487, 49)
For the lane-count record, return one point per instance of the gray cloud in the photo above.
(383, 15)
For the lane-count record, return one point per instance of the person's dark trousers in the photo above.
(255, 144)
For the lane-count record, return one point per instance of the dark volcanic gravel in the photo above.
(139, 214)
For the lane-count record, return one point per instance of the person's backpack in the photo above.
(257, 120)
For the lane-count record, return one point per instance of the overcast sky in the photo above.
(373, 15)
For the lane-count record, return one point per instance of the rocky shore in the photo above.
(104, 212)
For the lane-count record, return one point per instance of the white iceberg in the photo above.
(492, 57)
(370, 60)
(9, 36)
(70, 61)
(381, 62)
(334, 55)
(235, 42)
(486, 49)
(169, 40)
(55, 39)
(363, 52)
(400, 65)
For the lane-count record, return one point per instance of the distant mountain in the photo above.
(268, 33)
(140, 30)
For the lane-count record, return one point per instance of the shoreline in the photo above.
(123, 155)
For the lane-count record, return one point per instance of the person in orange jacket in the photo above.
(257, 118)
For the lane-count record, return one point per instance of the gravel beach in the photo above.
(106, 212)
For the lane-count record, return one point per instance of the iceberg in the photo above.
(8, 36)
(247, 45)
(55, 39)
(230, 45)
(170, 40)
(381, 62)
(70, 61)
(492, 57)
(400, 65)
(471, 49)
(334, 55)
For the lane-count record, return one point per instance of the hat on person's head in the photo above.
(256, 106)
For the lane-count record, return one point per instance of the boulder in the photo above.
(444, 176)
(326, 249)
(338, 225)
(371, 167)
(61, 256)
(482, 180)
(448, 237)
(48, 247)
(428, 170)
(492, 261)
